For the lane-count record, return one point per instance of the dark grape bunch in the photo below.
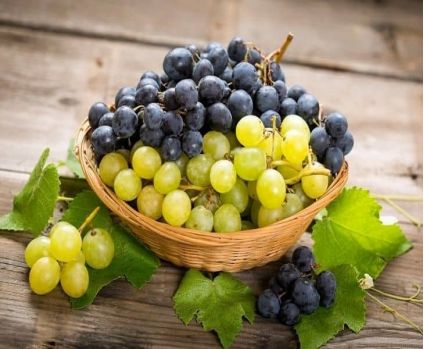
(296, 290)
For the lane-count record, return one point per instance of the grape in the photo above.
(334, 159)
(276, 72)
(127, 185)
(336, 125)
(254, 56)
(186, 93)
(268, 117)
(74, 279)
(124, 91)
(345, 143)
(268, 304)
(250, 131)
(314, 185)
(36, 249)
(295, 146)
(65, 242)
(238, 196)
(150, 137)
(192, 143)
(182, 162)
(148, 81)
(303, 259)
(146, 95)
(194, 50)
(267, 216)
(305, 296)
(178, 64)
(226, 219)
(128, 101)
(109, 167)
(219, 58)
(151, 75)
(289, 314)
(200, 219)
(326, 286)
(281, 88)
(171, 148)
(275, 287)
(254, 211)
(247, 225)
(306, 201)
(216, 144)
(125, 153)
(240, 104)
(266, 98)
(237, 49)
(320, 141)
(202, 68)
(295, 92)
(292, 205)
(288, 170)
(210, 199)
(227, 76)
(195, 118)
(287, 275)
(167, 178)
(172, 123)
(251, 188)
(80, 258)
(198, 170)
(307, 107)
(169, 99)
(164, 79)
(234, 143)
(210, 46)
(295, 122)
(136, 145)
(219, 117)
(44, 275)
(106, 119)
(223, 176)
(149, 202)
(271, 188)
(211, 90)
(288, 107)
(153, 116)
(245, 77)
(176, 208)
(97, 110)
(249, 163)
(103, 140)
(98, 248)
(146, 161)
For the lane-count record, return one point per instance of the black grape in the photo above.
(275, 286)
(150, 137)
(172, 123)
(124, 122)
(295, 92)
(146, 95)
(307, 107)
(303, 259)
(219, 117)
(266, 98)
(211, 89)
(336, 125)
(103, 140)
(320, 141)
(164, 79)
(245, 77)
(147, 81)
(192, 143)
(268, 116)
(201, 69)
(127, 100)
(281, 88)
(211, 46)
(276, 72)
(288, 107)
(334, 159)
(194, 50)
(326, 287)
(218, 56)
(289, 314)
(152, 75)
(268, 304)
(240, 104)
(153, 116)
(178, 64)
(227, 75)
(237, 49)
(171, 148)
(124, 91)
(345, 143)
(195, 118)
(254, 56)
(287, 274)
(169, 99)
(97, 110)
(305, 296)
(186, 93)
(106, 119)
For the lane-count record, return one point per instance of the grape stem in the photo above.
(283, 48)
(412, 299)
(411, 218)
(191, 187)
(88, 220)
(64, 198)
(308, 172)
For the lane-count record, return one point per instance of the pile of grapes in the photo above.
(297, 290)
(218, 142)
(62, 256)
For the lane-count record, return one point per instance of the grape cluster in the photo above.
(217, 142)
(296, 290)
(62, 256)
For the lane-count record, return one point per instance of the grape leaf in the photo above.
(131, 260)
(71, 161)
(34, 205)
(352, 233)
(348, 309)
(219, 304)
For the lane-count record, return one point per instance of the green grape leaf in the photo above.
(348, 309)
(34, 205)
(352, 233)
(72, 162)
(219, 304)
(132, 260)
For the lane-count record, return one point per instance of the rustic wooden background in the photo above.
(363, 58)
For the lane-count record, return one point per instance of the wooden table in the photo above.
(58, 57)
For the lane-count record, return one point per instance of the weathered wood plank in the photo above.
(376, 37)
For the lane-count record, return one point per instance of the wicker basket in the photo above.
(230, 252)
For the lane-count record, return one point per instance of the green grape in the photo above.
(176, 208)
(306, 201)
(145, 162)
(235, 150)
(314, 186)
(250, 163)
(182, 162)
(246, 212)
(98, 248)
(199, 168)
(80, 258)
(295, 146)
(44, 275)
(256, 205)
(37, 248)
(110, 165)
(208, 198)
(289, 171)
(167, 178)
(149, 202)
(234, 143)
(292, 205)
(238, 196)
(216, 145)
(126, 154)
(127, 185)
(136, 145)
(271, 188)
(200, 219)
(271, 145)
(247, 225)
(250, 131)
(223, 176)
(65, 242)
(251, 188)
(227, 219)
(267, 216)
(295, 122)
(74, 279)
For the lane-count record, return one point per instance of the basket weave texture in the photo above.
(231, 252)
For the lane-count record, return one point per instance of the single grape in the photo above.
(254, 56)
(151, 137)
(326, 287)
(201, 69)
(211, 89)
(266, 98)
(219, 117)
(345, 143)
(271, 145)
(226, 219)
(186, 93)
(254, 212)
(276, 72)
(288, 107)
(238, 196)
(195, 118)
(149, 202)
(334, 159)
(182, 162)
(106, 119)
(223, 176)
(153, 116)
(199, 168)
(289, 314)
(271, 189)
(314, 185)
(245, 77)
(171, 148)
(250, 163)
(151, 75)
(110, 165)
(74, 279)
(210, 199)
(147, 81)
(268, 117)
(247, 225)
(125, 153)
(320, 141)
(146, 94)
(145, 162)
(268, 304)
(135, 146)
(44, 275)
(167, 178)
(303, 259)
(232, 138)
(267, 216)
(227, 76)
(295, 146)
(216, 144)
(124, 91)
(97, 110)
(237, 49)
(292, 205)
(192, 143)
(307, 107)
(128, 101)
(178, 64)
(305, 296)
(176, 208)
(219, 58)
(295, 122)
(172, 123)
(251, 188)
(250, 131)
(287, 275)
(103, 140)
(295, 92)
(281, 88)
(336, 125)
(169, 99)
(200, 219)
(36, 249)
(65, 242)
(240, 104)
(306, 201)
(98, 248)
(127, 185)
